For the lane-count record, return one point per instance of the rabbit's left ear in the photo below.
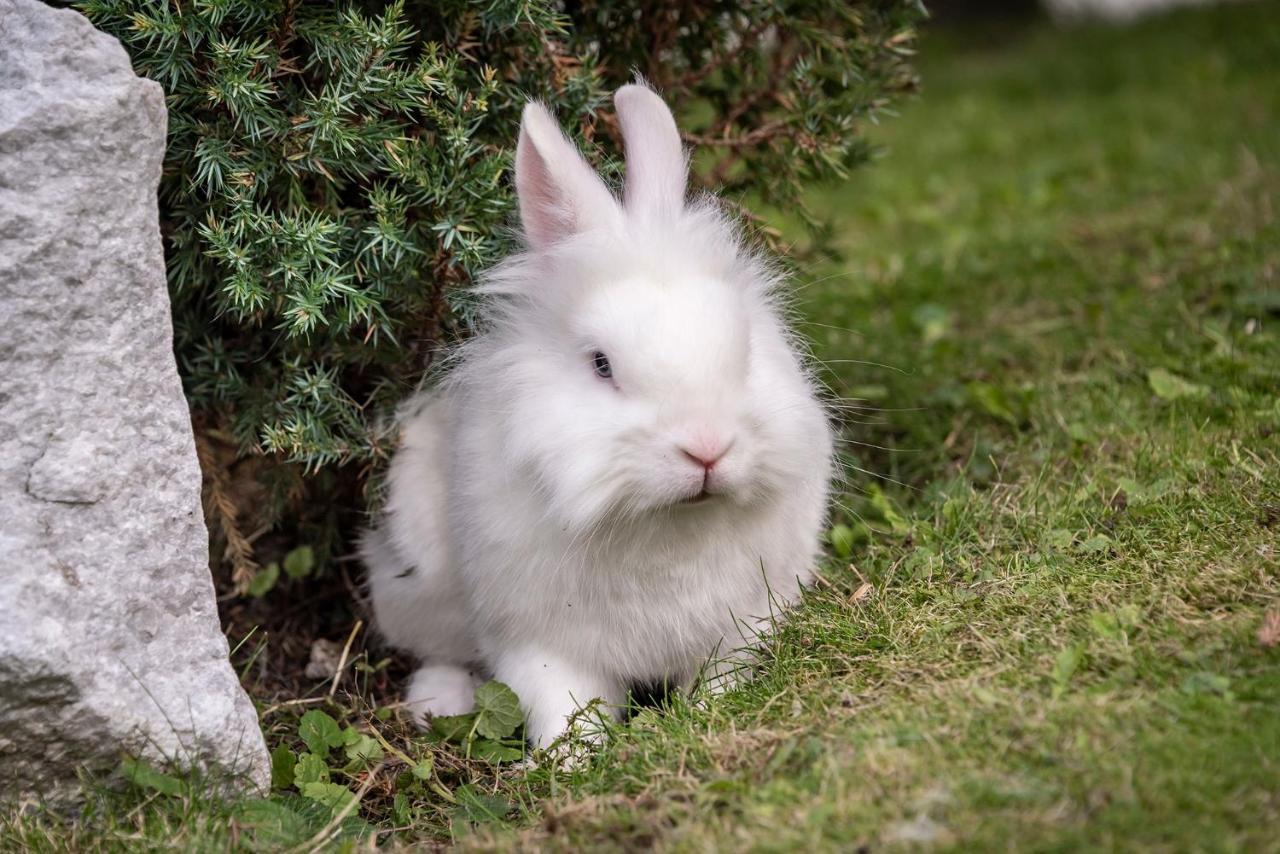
(560, 194)
(657, 170)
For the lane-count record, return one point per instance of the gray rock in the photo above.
(109, 634)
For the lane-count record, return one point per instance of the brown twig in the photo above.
(342, 660)
(752, 137)
(221, 507)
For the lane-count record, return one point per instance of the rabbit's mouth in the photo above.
(700, 498)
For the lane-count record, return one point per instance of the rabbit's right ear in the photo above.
(657, 169)
(560, 194)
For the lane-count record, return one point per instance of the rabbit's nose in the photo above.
(706, 451)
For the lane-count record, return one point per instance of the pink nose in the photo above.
(706, 454)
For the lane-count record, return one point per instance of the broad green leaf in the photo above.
(882, 504)
(283, 762)
(1060, 538)
(299, 562)
(453, 728)
(476, 807)
(320, 732)
(264, 580)
(401, 810)
(1139, 494)
(495, 751)
(141, 774)
(333, 795)
(841, 539)
(309, 769)
(952, 508)
(1170, 386)
(498, 713)
(1094, 544)
(365, 750)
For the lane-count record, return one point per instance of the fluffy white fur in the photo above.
(555, 529)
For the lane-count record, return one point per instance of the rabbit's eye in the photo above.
(601, 363)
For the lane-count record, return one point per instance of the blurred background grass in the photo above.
(1062, 208)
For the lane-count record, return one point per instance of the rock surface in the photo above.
(109, 633)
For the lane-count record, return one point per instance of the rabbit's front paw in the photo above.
(440, 689)
(553, 691)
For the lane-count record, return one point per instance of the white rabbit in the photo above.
(625, 471)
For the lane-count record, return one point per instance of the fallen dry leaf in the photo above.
(325, 655)
(1269, 631)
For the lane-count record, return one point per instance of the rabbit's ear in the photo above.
(560, 194)
(657, 170)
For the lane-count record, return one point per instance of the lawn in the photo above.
(1055, 327)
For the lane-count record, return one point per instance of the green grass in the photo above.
(1045, 635)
